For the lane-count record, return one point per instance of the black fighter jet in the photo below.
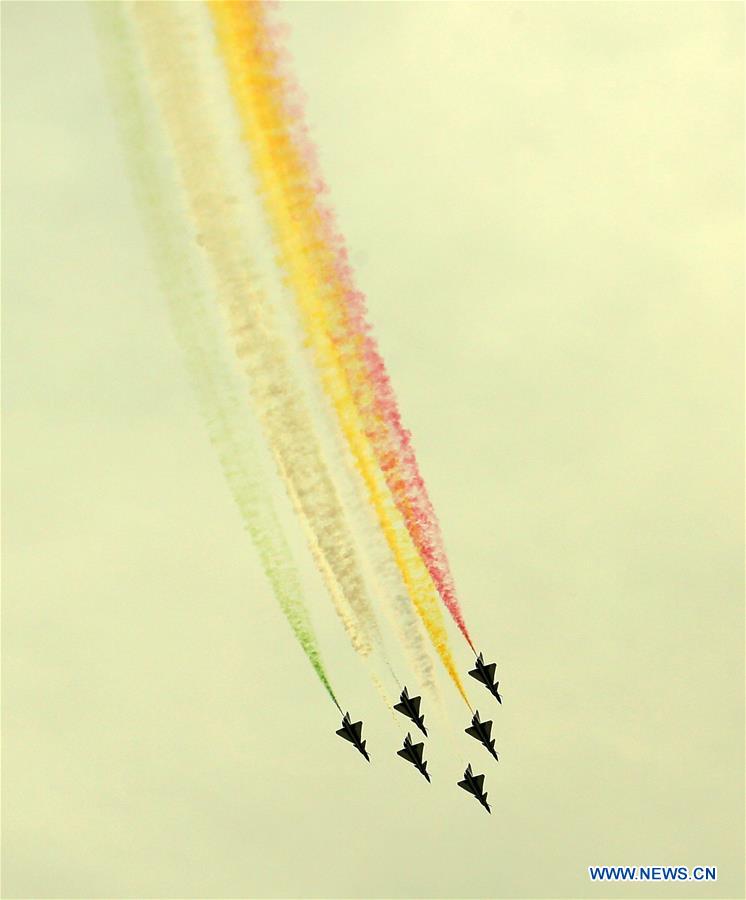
(410, 707)
(473, 784)
(352, 732)
(486, 674)
(481, 731)
(413, 753)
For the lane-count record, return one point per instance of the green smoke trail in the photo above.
(218, 399)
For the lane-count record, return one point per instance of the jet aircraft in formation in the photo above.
(474, 784)
(413, 753)
(410, 707)
(481, 731)
(486, 674)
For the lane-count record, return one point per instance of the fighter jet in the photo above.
(413, 753)
(352, 732)
(410, 707)
(486, 674)
(481, 731)
(473, 784)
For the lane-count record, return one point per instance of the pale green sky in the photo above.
(544, 205)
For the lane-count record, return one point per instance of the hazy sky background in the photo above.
(544, 205)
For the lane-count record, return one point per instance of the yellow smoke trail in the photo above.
(381, 573)
(167, 37)
(240, 29)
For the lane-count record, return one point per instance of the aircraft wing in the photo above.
(404, 754)
(490, 669)
(402, 708)
(475, 673)
(466, 786)
(344, 734)
(474, 732)
(415, 701)
(479, 780)
(487, 726)
(357, 730)
(417, 751)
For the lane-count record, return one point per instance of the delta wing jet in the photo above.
(353, 732)
(474, 784)
(482, 731)
(410, 707)
(486, 674)
(413, 753)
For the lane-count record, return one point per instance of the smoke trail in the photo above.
(288, 197)
(255, 58)
(166, 38)
(216, 395)
(386, 583)
(218, 400)
(381, 573)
